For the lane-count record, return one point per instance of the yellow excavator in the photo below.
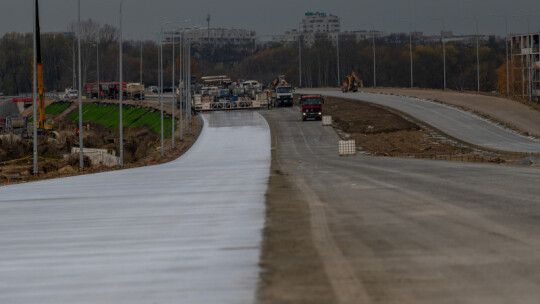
(42, 123)
(351, 83)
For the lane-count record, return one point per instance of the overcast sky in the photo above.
(277, 16)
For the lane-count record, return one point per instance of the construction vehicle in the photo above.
(42, 123)
(135, 91)
(221, 93)
(282, 95)
(351, 83)
(311, 107)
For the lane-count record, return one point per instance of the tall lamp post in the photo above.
(161, 85)
(81, 153)
(477, 53)
(300, 59)
(141, 60)
(506, 47)
(444, 51)
(337, 52)
(374, 54)
(97, 69)
(410, 49)
(34, 92)
(121, 94)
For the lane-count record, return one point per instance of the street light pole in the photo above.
(506, 49)
(34, 92)
(173, 91)
(161, 85)
(140, 71)
(299, 59)
(477, 53)
(410, 53)
(477, 57)
(507, 72)
(337, 51)
(180, 46)
(374, 57)
(97, 68)
(374, 54)
(444, 51)
(121, 94)
(410, 49)
(81, 137)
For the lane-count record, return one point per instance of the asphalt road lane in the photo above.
(452, 121)
(393, 230)
(188, 231)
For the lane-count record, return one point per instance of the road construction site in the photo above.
(263, 209)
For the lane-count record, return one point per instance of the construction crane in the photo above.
(42, 124)
(351, 83)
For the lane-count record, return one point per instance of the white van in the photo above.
(70, 93)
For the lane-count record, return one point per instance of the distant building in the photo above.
(525, 56)
(290, 37)
(318, 24)
(214, 36)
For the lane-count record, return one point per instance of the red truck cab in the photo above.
(311, 106)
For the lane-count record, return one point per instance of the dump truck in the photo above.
(282, 95)
(135, 91)
(311, 107)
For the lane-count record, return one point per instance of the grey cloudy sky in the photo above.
(276, 16)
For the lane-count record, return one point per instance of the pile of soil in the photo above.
(141, 148)
(382, 132)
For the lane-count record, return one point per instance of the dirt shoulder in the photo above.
(520, 116)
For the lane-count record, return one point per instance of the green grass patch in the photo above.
(57, 107)
(54, 109)
(109, 116)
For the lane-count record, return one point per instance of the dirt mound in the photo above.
(360, 117)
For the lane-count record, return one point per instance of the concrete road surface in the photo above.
(391, 230)
(515, 114)
(188, 231)
(452, 121)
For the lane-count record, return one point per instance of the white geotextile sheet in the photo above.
(188, 231)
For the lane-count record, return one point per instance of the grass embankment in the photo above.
(54, 109)
(57, 107)
(108, 115)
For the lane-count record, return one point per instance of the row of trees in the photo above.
(320, 68)
(319, 62)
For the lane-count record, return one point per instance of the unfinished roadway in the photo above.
(456, 123)
(188, 231)
(390, 230)
(361, 229)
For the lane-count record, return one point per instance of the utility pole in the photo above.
(81, 153)
(173, 91)
(34, 89)
(181, 46)
(444, 51)
(337, 51)
(121, 86)
(97, 68)
(300, 58)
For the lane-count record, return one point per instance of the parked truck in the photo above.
(135, 91)
(282, 95)
(311, 107)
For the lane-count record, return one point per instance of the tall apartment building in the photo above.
(525, 70)
(318, 24)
